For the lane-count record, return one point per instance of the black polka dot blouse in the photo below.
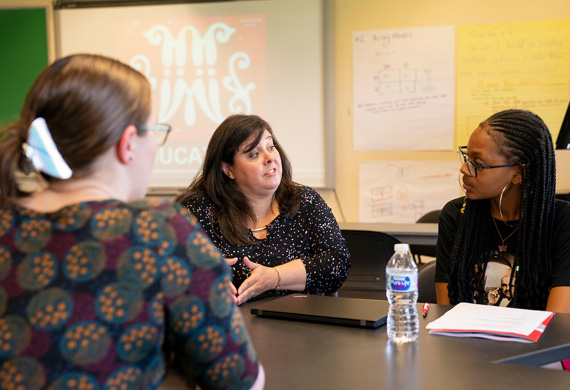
(312, 235)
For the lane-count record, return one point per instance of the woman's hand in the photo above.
(261, 279)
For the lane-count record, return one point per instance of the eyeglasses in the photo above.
(160, 132)
(472, 167)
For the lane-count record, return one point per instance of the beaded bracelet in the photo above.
(278, 279)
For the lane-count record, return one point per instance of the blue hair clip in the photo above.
(42, 152)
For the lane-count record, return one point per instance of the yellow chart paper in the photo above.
(512, 65)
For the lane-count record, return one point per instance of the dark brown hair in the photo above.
(87, 102)
(231, 206)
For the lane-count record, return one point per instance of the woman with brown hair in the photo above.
(99, 288)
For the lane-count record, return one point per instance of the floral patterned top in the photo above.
(105, 295)
(311, 235)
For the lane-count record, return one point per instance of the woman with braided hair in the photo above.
(508, 234)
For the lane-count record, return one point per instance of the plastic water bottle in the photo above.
(402, 293)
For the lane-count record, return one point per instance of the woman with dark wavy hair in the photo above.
(278, 236)
(507, 242)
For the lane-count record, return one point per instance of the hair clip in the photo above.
(42, 151)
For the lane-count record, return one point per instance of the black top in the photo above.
(493, 288)
(312, 235)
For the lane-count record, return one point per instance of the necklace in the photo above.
(503, 246)
(258, 229)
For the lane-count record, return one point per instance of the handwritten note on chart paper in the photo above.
(403, 191)
(404, 91)
(512, 65)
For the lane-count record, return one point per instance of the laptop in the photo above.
(367, 313)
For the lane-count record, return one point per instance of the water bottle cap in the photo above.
(403, 248)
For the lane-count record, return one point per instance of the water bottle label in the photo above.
(402, 283)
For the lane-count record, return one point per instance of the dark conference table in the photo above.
(306, 355)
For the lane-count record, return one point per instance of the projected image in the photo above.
(201, 70)
(209, 60)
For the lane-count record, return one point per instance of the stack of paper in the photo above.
(493, 322)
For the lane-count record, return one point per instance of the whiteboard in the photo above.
(206, 61)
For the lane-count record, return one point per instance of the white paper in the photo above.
(404, 88)
(473, 319)
(403, 191)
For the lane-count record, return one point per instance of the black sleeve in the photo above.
(446, 237)
(326, 258)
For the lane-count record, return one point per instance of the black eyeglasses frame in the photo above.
(472, 167)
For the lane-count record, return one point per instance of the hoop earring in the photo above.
(501, 208)
(501, 202)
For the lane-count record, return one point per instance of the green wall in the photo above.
(23, 54)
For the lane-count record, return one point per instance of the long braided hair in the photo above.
(523, 138)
